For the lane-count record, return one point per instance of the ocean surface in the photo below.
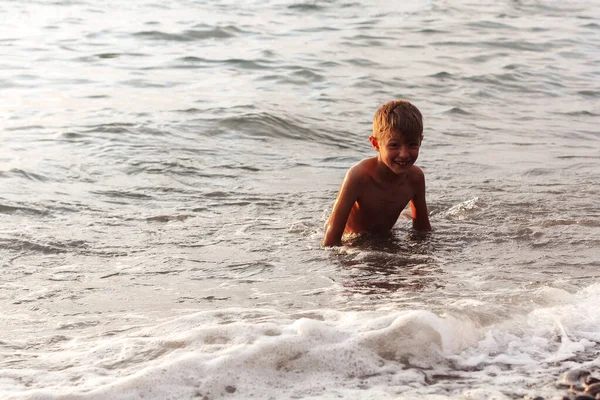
(167, 167)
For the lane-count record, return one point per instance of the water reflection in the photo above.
(382, 264)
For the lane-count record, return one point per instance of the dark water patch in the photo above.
(191, 35)
(513, 66)
(369, 82)
(192, 110)
(442, 75)
(192, 62)
(477, 25)
(363, 43)
(316, 29)
(430, 31)
(245, 64)
(122, 194)
(246, 270)
(112, 128)
(108, 55)
(299, 77)
(505, 81)
(539, 29)
(218, 195)
(456, 43)
(160, 167)
(570, 157)
(328, 64)
(361, 62)
(538, 172)
(268, 54)
(307, 75)
(238, 166)
(369, 37)
(6, 84)
(25, 128)
(582, 113)
(571, 54)
(589, 93)
(591, 25)
(306, 7)
(501, 44)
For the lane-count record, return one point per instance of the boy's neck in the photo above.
(386, 175)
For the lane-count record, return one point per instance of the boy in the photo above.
(376, 190)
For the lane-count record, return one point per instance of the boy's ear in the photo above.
(374, 142)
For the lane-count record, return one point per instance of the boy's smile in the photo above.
(398, 152)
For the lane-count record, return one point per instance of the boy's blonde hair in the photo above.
(399, 115)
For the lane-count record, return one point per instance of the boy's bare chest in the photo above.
(383, 199)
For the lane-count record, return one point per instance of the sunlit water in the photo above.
(166, 169)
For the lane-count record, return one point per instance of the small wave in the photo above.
(49, 247)
(268, 126)
(308, 76)
(464, 210)
(120, 194)
(442, 75)
(456, 111)
(115, 127)
(8, 209)
(32, 176)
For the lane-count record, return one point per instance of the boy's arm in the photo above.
(418, 205)
(341, 209)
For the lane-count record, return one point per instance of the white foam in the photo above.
(252, 353)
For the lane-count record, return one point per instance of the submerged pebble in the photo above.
(575, 377)
(591, 380)
(582, 385)
(592, 389)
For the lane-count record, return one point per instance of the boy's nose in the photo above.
(404, 152)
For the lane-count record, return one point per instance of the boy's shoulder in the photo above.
(362, 169)
(416, 177)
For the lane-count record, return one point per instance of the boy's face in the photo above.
(397, 151)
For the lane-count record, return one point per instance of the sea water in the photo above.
(166, 169)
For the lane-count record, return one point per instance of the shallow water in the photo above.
(167, 169)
